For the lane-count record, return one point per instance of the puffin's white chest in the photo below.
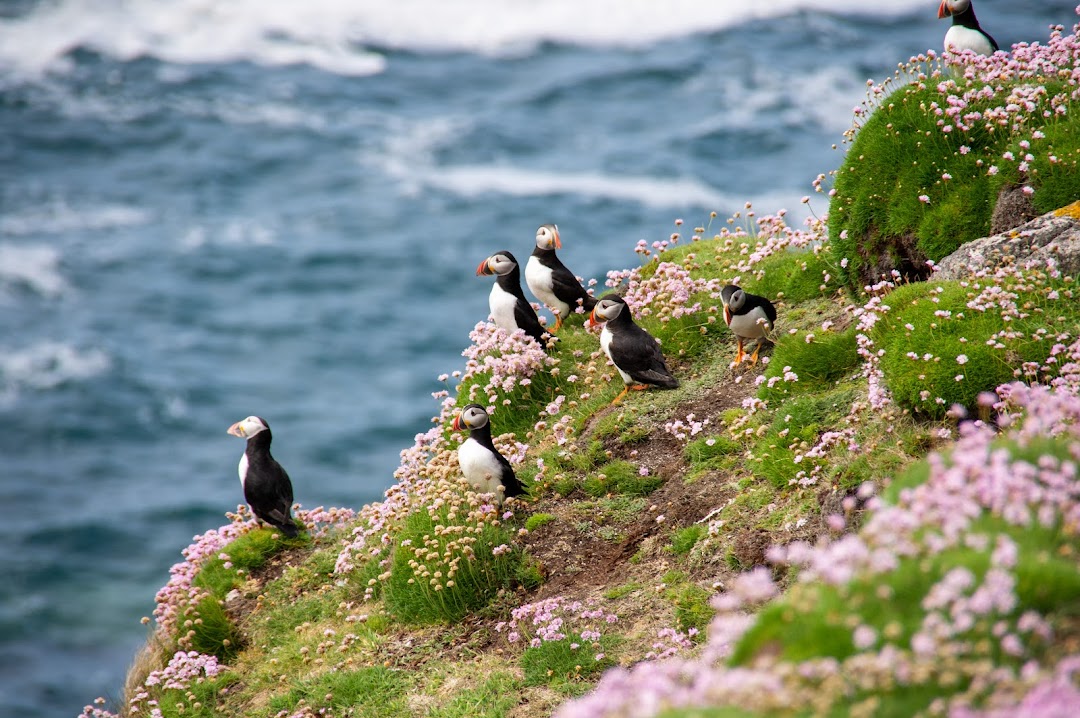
(751, 325)
(242, 469)
(480, 467)
(538, 277)
(502, 305)
(960, 38)
(606, 338)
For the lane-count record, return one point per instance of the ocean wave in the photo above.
(673, 193)
(47, 365)
(36, 267)
(338, 36)
(58, 217)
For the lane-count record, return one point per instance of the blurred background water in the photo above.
(210, 209)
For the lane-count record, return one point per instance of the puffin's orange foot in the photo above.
(740, 354)
(639, 387)
(619, 398)
(558, 324)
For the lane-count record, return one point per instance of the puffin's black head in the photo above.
(249, 427)
(607, 308)
(547, 237)
(472, 416)
(949, 8)
(500, 263)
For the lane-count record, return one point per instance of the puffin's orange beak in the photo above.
(943, 9)
(483, 268)
(592, 318)
(727, 314)
(237, 430)
(558, 242)
(457, 423)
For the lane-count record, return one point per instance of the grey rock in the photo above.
(1054, 235)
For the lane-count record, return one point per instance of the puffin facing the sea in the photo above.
(509, 307)
(483, 466)
(633, 351)
(550, 280)
(749, 317)
(267, 488)
(965, 32)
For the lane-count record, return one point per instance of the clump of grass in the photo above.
(692, 609)
(373, 690)
(781, 455)
(684, 539)
(449, 560)
(947, 343)
(537, 520)
(620, 477)
(707, 450)
(793, 276)
(808, 361)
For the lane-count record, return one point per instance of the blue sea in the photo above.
(216, 209)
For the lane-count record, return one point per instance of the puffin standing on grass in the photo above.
(267, 488)
(509, 307)
(633, 351)
(550, 280)
(483, 466)
(965, 33)
(749, 317)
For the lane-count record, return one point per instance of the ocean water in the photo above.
(216, 209)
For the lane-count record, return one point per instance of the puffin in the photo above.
(509, 307)
(749, 317)
(483, 466)
(267, 488)
(633, 351)
(550, 280)
(965, 33)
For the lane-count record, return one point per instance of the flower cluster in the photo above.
(557, 619)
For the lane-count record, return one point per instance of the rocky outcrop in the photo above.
(1054, 235)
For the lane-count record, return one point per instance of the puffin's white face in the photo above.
(248, 428)
(472, 416)
(733, 297)
(497, 264)
(547, 237)
(953, 7)
(606, 310)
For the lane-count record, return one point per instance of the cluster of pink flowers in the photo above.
(508, 360)
(979, 479)
(557, 619)
(686, 430)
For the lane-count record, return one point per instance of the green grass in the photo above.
(899, 154)
(803, 419)
(928, 384)
(793, 276)
(620, 477)
(495, 697)
(371, 691)
(684, 539)
(818, 363)
(559, 662)
(537, 520)
(457, 571)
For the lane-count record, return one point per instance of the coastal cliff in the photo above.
(880, 518)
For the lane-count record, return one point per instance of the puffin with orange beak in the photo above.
(550, 280)
(267, 488)
(965, 33)
(509, 308)
(748, 316)
(634, 352)
(483, 466)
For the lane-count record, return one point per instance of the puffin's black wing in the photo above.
(526, 319)
(567, 288)
(511, 484)
(639, 356)
(768, 308)
(269, 492)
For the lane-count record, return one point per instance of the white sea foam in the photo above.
(335, 35)
(675, 192)
(36, 267)
(58, 217)
(47, 365)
